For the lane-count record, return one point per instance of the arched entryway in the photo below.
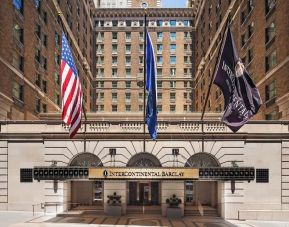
(144, 192)
(201, 192)
(86, 193)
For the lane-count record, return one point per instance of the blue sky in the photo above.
(174, 3)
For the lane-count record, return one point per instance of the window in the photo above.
(38, 106)
(57, 39)
(250, 5)
(114, 35)
(57, 78)
(272, 116)
(114, 60)
(44, 108)
(172, 84)
(44, 40)
(140, 96)
(270, 91)
(159, 71)
(114, 48)
(159, 35)
(159, 84)
(128, 60)
(17, 61)
(141, 46)
(140, 108)
(271, 61)
(114, 84)
(172, 108)
(127, 96)
(187, 60)
(173, 60)
(250, 29)
(172, 96)
(185, 95)
(250, 56)
(159, 60)
(100, 96)
(57, 98)
(17, 91)
(114, 108)
(185, 108)
(18, 33)
(243, 40)
(173, 36)
(173, 22)
(100, 84)
(127, 84)
(269, 5)
(186, 23)
(127, 35)
(114, 97)
(160, 96)
(159, 23)
(38, 30)
(140, 70)
(127, 48)
(160, 108)
(173, 48)
(141, 35)
(128, 71)
(114, 71)
(270, 32)
(127, 108)
(159, 48)
(243, 17)
(44, 86)
(172, 71)
(100, 108)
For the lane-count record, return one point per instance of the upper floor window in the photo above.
(17, 91)
(173, 36)
(173, 22)
(270, 90)
(269, 5)
(271, 60)
(270, 32)
(173, 59)
(18, 33)
(159, 35)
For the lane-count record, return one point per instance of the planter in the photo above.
(174, 212)
(113, 210)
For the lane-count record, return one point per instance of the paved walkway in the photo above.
(25, 219)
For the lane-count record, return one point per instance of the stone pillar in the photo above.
(109, 187)
(168, 188)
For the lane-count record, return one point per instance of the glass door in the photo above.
(189, 192)
(98, 192)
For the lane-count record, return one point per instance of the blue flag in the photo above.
(151, 87)
(242, 98)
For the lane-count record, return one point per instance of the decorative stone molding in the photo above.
(162, 126)
(215, 127)
(188, 126)
(99, 127)
(131, 127)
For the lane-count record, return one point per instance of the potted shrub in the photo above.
(173, 209)
(114, 205)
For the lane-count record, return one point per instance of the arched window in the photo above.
(202, 160)
(86, 159)
(144, 160)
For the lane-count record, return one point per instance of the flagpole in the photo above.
(212, 79)
(83, 109)
(144, 5)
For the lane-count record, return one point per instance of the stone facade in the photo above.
(262, 145)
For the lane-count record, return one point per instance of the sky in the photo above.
(174, 3)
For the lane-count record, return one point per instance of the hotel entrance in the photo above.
(143, 193)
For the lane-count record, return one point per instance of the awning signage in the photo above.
(143, 173)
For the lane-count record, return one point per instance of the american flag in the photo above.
(71, 92)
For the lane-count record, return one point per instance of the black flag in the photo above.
(242, 98)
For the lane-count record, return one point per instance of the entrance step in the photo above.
(144, 210)
(194, 211)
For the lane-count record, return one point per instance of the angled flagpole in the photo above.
(212, 79)
(83, 108)
(144, 6)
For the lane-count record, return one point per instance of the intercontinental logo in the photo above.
(143, 173)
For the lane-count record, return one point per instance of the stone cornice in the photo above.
(152, 13)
